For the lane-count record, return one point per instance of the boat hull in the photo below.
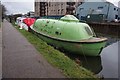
(81, 48)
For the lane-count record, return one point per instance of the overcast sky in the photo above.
(23, 6)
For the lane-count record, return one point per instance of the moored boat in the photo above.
(28, 22)
(69, 34)
(19, 22)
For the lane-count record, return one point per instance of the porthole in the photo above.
(57, 33)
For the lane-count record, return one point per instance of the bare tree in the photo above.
(2, 11)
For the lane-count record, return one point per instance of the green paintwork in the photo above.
(68, 33)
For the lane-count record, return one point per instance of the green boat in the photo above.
(69, 34)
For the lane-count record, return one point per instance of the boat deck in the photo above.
(94, 40)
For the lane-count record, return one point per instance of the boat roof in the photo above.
(69, 18)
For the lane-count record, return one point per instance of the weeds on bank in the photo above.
(58, 59)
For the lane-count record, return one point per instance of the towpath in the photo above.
(21, 60)
(0, 51)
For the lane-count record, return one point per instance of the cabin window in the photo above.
(88, 31)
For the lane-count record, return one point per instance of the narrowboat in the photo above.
(70, 34)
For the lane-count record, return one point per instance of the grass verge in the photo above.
(58, 59)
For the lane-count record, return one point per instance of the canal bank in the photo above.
(96, 63)
(67, 66)
(105, 65)
(21, 59)
(109, 56)
(0, 51)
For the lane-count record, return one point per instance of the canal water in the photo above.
(105, 65)
(109, 61)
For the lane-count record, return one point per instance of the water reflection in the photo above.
(111, 39)
(91, 63)
(106, 64)
(109, 57)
